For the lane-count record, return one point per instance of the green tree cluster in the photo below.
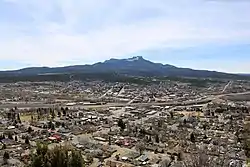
(6, 156)
(246, 139)
(121, 124)
(59, 156)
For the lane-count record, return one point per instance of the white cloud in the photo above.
(96, 30)
(219, 65)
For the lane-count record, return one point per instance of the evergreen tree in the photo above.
(121, 124)
(59, 156)
(18, 118)
(171, 114)
(192, 138)
(179, 157)
(53, 126)
(185, 121)
(6, 156)
(53, 114)
(16, 138)
(59, 114)
(9, 115)
(50, 124)
(76, 159)
(109, 140)
(157, 140)
(27, 140)
(10, 136)
(30, 130)
(63, 111)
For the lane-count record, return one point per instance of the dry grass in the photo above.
(25, 118)
(191, 113)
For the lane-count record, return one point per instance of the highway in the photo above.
(41, 105)
(184, 103)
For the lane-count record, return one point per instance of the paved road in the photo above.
(121, 91)
(110, 90)
(36, 105)
(227, 85)
(42, 105)
(242, 93)
(26, 105)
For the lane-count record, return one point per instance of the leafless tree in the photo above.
(140, 147)
(202, 159)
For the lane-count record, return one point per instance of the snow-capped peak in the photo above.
(135, 58)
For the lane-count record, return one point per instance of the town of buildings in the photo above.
(170, 124)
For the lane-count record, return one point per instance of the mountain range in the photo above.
(135, 66)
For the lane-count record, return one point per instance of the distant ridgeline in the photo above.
(135, 69)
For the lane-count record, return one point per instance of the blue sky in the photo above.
(200, 34)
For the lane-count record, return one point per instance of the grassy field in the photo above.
(25, 118)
